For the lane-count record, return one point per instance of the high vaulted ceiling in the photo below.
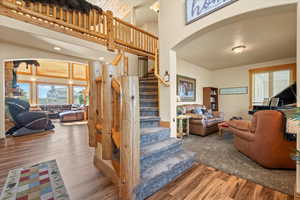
(122, 8)
(268, 35)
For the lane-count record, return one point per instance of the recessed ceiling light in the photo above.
(57, 48)
(239, 49)
(101, 58)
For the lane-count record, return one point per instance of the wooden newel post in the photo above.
(130, 137)
(110, 31)
(107, 145)
(92, 107)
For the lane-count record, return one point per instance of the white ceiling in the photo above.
(23, 34)
(268, 35)
(122, 9)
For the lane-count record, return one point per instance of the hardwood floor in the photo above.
(69, 146)
(207, 183)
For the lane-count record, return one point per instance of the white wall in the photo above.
(203, 78)
(238, 105)
(151, 27)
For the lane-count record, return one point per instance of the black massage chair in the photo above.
(26, 122)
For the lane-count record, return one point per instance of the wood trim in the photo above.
(165, 124)
(53, 76)
(26, 73)
(31, 89)
(291, 66)
(72, 75)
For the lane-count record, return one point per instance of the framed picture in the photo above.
(234, 91)
(196, 9)
(186, 88)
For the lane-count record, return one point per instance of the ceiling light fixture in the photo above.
(57, 48)
(155, 7)
(101, 58)
(239, 49)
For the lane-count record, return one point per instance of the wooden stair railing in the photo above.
(95, 26)
(119, 126)
(156, 69)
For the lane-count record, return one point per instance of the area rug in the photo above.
(38, 182)
(220, 153)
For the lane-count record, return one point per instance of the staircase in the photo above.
(162, 157)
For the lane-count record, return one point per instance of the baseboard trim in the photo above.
(165, 124)
(297, 196)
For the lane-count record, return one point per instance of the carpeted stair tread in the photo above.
(149, 118)
(166, 165)
(161, 146)
(154, 135)
(149, 100)
(148, 86)
(146, 131)
(152, 93)
(153, 109)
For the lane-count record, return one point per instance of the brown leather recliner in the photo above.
(263, 139)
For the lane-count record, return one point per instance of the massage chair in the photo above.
(26, 122)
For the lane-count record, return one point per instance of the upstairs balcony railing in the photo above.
(96, 26)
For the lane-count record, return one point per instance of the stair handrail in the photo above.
(96, 26)
(156, 69)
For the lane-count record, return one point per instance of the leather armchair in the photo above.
(262, 139)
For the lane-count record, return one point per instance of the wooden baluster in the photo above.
(54, 12)
(40, 8)
(47, 9)
(92, 107)
(110, 31)
(95, 14)
(73, 17)
(90, 20)
(68, 16)
(108, 72)
(79, 19)
(61, 17)
(84, 18)
(130, 137)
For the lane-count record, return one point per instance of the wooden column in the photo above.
(108, 73)
(130, 137)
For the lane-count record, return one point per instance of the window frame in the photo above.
(292, 67)
(57, 84)
(72, 90)
(30, 89)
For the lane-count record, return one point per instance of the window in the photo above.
(25, 91)
(267, 82)
(53, 69)
(52, 94)
(79, 95)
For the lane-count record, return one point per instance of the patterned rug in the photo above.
(38, 182)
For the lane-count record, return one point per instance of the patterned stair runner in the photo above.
(162, 157)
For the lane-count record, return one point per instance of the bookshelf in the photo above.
(211, 98)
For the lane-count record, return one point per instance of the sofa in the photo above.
(71, 116)
(262, 139)
(202, 124)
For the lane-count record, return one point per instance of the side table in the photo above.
(180, 119)
(223, 126)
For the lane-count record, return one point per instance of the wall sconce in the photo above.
(33, 79)
(167, 76)
(70, 82)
